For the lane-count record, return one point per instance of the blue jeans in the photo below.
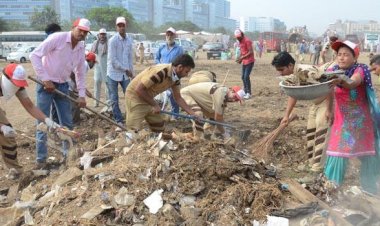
(114, 97)
(246, 71)
(173, 103)
(45, 100)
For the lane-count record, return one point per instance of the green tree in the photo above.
(39, 20)
(3, 25)
(104, 17)
(17, 26)
(181, 25)
(149, 30)
(221, 30)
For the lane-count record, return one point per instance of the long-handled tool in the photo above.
(225, 77)
(73, 100)
(241, 134)
(202, 120)
(92, 97)
(105, 104)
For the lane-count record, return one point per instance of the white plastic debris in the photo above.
(273, 221)
(146, 175)
(355, 190)
(86, 160)
(154, 201)
(28, 219)
(123, 198)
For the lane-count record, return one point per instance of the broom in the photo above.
(265, 145)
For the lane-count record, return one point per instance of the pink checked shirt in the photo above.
(54, 60)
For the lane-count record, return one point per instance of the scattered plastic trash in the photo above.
(273, 221)
(86, 160)
(154, 201)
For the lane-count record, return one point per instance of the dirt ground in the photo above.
(231, 186)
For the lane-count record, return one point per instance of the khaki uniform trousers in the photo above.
(138, 112)
(8, 146)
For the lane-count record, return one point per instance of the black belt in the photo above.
(214, 88)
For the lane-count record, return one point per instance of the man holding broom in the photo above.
(319, 112)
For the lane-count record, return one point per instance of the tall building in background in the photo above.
(220, 11)
(359, 28)
(243, 24)
(21, 10)
(63, 9)
(141, 10)
(198, 13)
(207, 14)
(262, 24)
(79, 7)
(173, 11)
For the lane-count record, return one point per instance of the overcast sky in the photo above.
(315, 14)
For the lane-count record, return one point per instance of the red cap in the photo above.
(16, 74)
(354, 47)
(90, 56)
(82, 24)
(239, 93)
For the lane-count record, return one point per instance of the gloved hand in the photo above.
(8, 131)
(51, 124)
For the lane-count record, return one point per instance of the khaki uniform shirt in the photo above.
(200, 76)
(156, 79)
(328, 52)
(210, 96)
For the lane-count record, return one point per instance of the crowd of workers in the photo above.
(341, 125)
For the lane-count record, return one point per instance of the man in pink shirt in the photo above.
(247, 59)
(53, 61)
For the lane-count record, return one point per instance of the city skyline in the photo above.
(316, 15)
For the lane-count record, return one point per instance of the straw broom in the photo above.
(265, 145)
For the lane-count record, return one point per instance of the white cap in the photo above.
(170, 29)
(102, 31)
(121, 20)
(237, 33)
(82, 24)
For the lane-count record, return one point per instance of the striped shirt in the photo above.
(156, 79)
(120, 57)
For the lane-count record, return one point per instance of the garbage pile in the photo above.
(153, 181)
(149, 182)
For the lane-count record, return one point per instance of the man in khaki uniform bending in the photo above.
(209, 99)
(140, 103)
(202, 76)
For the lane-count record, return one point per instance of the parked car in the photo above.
(21, 55)
(160, 43)
(187, 46)
(207, 46)
(214, 50)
